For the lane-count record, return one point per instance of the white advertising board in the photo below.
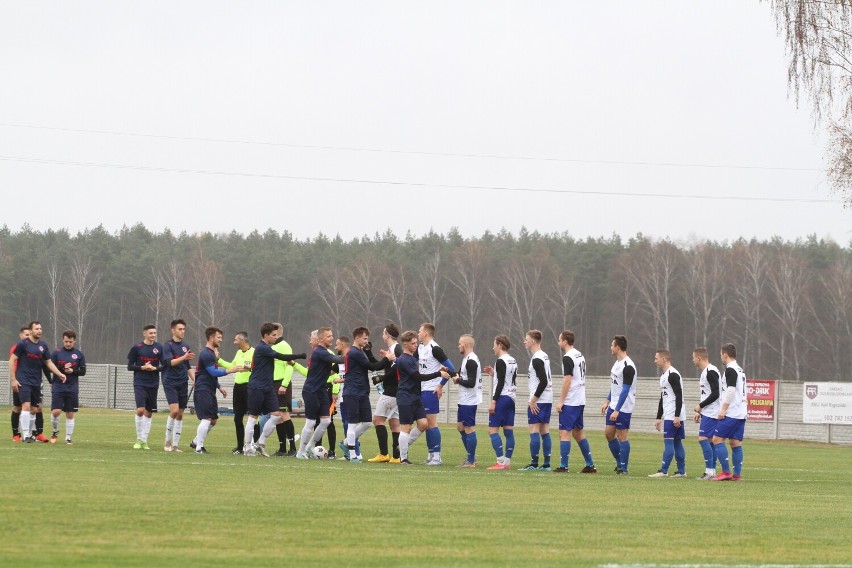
(827, 403)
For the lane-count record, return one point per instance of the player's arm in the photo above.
(324, 355)
(368, 361)
(730, 391)
(500, 372)
(629, 374)
(567, 377)
(80, 369)
(301, 369)
(541, 373)
(677, 388)
(438, 353)
(660, 408)
(472, 368)
(54, 369)
(713, 379)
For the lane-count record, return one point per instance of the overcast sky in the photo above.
(351, 118)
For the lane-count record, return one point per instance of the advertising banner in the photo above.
(827, 403)
(761, 400)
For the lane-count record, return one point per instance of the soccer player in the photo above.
(176, 375)
(501, 411)
(671, 414)
(16, 400)
(387, 410)
(357, 411)
(145, 359)
(732, 416)
(432, 358)
(207, 375)
(706, 411)
(240, 393)
(317, 403)
(408, 394)
(619, 404)
(572, 404)
(66, 394)
(469, 379)
(282, 379)
(26, 365)
(541, 402)
(262, 396)
(334, 392)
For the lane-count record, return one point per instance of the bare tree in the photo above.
(362, 282)
(154, 291)
(397, 293)
(329, 286)
(432, 286)
(467, 274)
(520, 293)
(54, 293)
(173, 283)
(562, 302)
(82, 290)
(789, 280)
(704, 287)
(653, 268)
(750, 298)
(838, 290)
(211, 305)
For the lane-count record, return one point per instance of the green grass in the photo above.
(100, 503)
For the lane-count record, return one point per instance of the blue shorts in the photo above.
(262, 401)
(707, 426)
(623, 422)
(66, 401)
(730, 428)
(206, 407)
(467, 415)
(411, 413)
(571, 417)
(317, 404)
(672, 432)
(177, 394)
(146, 397)
(431, 403)
(357, 409)
(504, 413)
(543, 416)
(30, 394)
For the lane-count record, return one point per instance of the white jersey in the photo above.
(534, 380)
(712, 409)
(616, 382)
(470, 396)
(428, 364)
(577, 392)
(341, 370)
(510, 386)
(669, 397)
(739, 407)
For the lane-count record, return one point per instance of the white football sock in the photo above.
(178, 428)
(69, 428)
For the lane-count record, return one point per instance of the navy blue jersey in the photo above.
(74, 358)
(263, 365)
(357, 367)
(207, 372)
(140, 354)
(31, 359)
(408, 371)
(319, 369)
(178, 374)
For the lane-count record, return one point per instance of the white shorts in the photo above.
(387, 407)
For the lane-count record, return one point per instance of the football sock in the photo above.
(290, 430)
(382, 437)
(587, 451)
(535, 446)
(709, 457)
(737, 458)
(680, 455)
(413, 435)
(39, 422)
(240, 429)
(16, 422)
(615, 449)
(436, 440)
(146, 427)
(332, 436)
(319, 431)
(546, 447)
(138, 427)
(178, 429)
(624, 455)
(281, 431)
(463, 436)
(395, 436)
(201, 433)
(54, 422)
(69, 428)
(564, 452)
(250, 424)
(361, 428)
(668, 454)
(350, 436)
(403, 445)
(429, 440)
(497, 444)
(170, 426)
(24, 424)
(307, 434)
(471, 447)
(722, 454)
(510, 442)
(270, 425)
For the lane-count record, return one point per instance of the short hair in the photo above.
(149, 326)
(503, 342)
(469, 338)
(429, 327)
(33, 324)
(315, 333)
(567, 336)
(243, 335)
(23, 329)
(665, 354)
(70, 334)
(322, 330)
(620, 341)
(701, 353)
(392, 330)
(266, 328)
(359, 331)
(177, 322)
(344, 339)
(280, 326)
(535, 335)
(408, 336)
(211, 331)
(730, 350)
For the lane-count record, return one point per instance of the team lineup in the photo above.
(410, 373)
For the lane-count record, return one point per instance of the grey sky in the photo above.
(591, 88)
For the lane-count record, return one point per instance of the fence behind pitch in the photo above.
(111, 386)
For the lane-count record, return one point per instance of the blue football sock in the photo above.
(463, 435)
(497, 444)
(668, 454)
(436, 438)
(722, 455)
(680, 455)
(357, 447)
(737, 457)
(709, 457)
(546, 447)
(624, 455)
(429, 440)
(535, 446)
(615, 449)
(564, 452)
(471, 447)
(587, 452)
(510, 442)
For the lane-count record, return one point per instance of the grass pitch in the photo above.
(101, 503)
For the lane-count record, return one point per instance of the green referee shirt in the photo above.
(241, 358)
(282, 371)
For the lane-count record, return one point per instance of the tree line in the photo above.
(786, 305)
